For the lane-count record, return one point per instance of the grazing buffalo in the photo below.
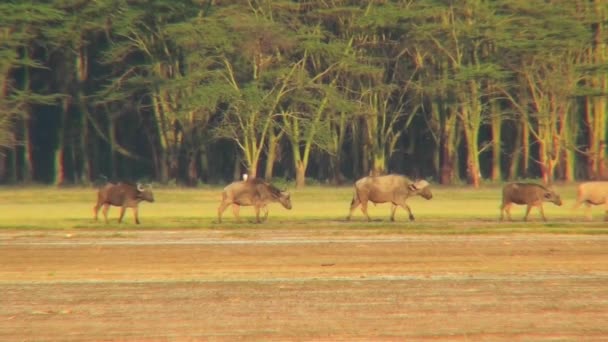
(531, 194)
(592, 193)
(389, 188)
(251, 192)
(122, 195)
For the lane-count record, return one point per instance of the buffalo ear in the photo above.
(547, 195)
(412, 187)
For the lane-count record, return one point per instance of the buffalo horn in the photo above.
(421, 184)
(140, 187)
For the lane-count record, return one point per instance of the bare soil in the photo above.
(300, 285)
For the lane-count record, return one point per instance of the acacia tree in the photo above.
(20, 34)
(546, 67)
(140, 32)
(258, 85)
(594, 14)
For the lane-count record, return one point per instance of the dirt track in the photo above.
(219, 285)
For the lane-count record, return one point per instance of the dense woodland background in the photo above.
(201, 91)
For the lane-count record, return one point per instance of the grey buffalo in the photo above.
(122, 195)
(252, 192)
(592, 193)
(530, 194)
(395, 189)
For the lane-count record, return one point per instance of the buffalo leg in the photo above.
(588, 211)
(265, 213)
(364, 210)
(528, 208)
(542, 212)
(257, 213)
(106, 207)
(221, 210)
(122, 213)
(409, 211)
(353, 205)
(507, 209)
(235, 212)
(393, 210)
(135, 213)
(96, 210)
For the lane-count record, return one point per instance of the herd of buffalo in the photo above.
(395, 189)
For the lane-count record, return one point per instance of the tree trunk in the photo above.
(253, 168)
(300, 174)
(12, 170)
(59, 159)
(496, 122)
(3, 164)
(237, 173)
(356, 152)
(473, 172)
(192, 172)
(60, 173)
(516, 154)
(27, 172)
(334, 166)
(273, 144)
(568, 155)
(379, 163)
(163, 143)
(525, 142)
(83, 141)
(112, 138)
(448, 157)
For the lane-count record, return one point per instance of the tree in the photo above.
(20, 27)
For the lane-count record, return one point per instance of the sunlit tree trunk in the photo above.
(516, 153)
(335, 159)
(449, 146)
(470, 115)
(595, 114)
(60, 147)
(496, 127)
(271, 153)
(162, 157)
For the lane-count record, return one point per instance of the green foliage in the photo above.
(185, 83)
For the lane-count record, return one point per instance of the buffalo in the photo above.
(531, 194)
(123, 195)
(252, 192)
(592, 193)
(388, 188)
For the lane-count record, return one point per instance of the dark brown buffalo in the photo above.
(251, 192)
(122, 195)
(530, 194)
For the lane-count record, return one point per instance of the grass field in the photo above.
(453, 210)
(454, 274)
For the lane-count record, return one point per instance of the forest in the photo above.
(192, 92)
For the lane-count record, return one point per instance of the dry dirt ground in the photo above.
(262, 285)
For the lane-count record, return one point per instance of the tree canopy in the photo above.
(197, 92)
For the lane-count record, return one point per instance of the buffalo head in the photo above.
(145, 193)
(421, 187)
(551, 196)
(285, 199)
